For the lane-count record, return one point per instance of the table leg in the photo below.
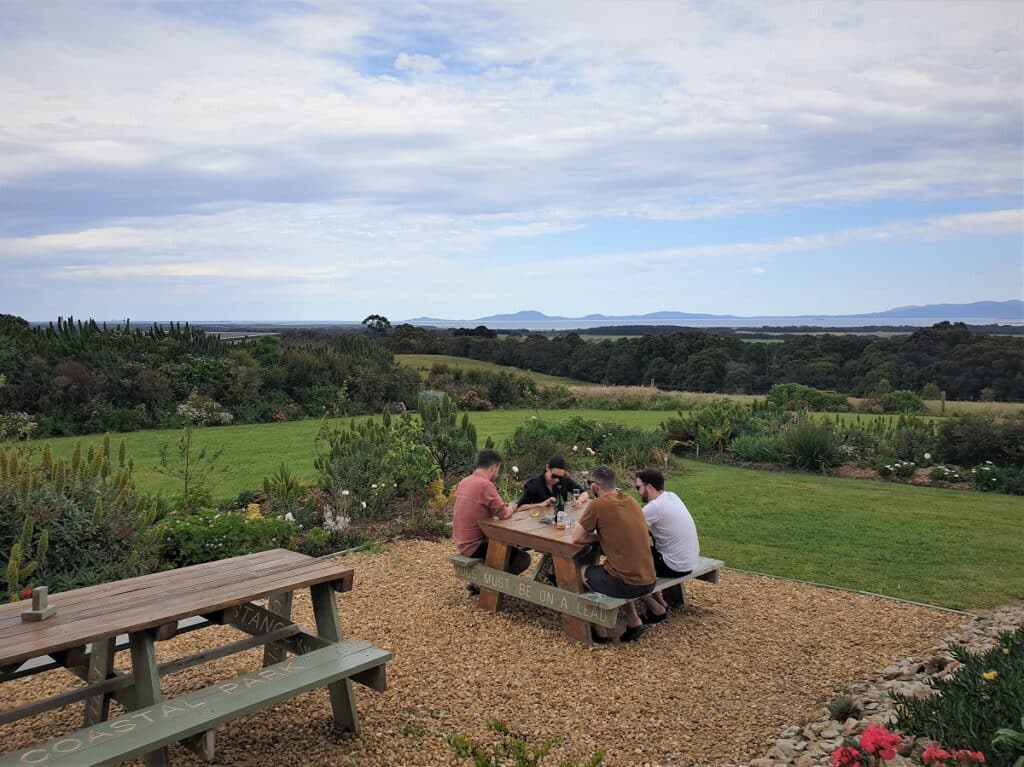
(101, 668)
(343, 702)
(567, 573)
(279, 604)
(499, 556)
(147, 684)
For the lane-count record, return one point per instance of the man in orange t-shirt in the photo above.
(477, 499)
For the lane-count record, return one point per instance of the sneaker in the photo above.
(598, 638)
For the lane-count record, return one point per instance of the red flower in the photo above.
(969, 757)
(26, 593)
(880, 742)
(935, 754)
(846, 757)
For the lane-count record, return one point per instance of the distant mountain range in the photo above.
(982, 310)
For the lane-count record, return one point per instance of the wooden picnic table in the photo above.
(524, 530)
(579, 607)
(92, 624)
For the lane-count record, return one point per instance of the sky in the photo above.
(328, 160)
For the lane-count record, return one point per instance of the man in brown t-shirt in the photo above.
(616, 521)
(476, 499)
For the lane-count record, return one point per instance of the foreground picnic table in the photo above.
(87, 631)
(579, 607)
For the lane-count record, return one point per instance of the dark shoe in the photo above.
(598, 638)
(632, 634)
(651, 618)
(473, 589)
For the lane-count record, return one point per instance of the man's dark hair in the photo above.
(604, 477)
(652, 477)
(556, 462)
(487, 459)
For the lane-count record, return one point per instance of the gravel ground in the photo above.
(710, 686)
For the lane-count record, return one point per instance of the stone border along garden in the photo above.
(810, 742)
(713, 685)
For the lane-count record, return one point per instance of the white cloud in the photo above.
(418, 63)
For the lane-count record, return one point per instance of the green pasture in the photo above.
(945, 547)
(423, 363)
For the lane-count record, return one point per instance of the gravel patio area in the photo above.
(710, 686)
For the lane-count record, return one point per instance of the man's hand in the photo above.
(551, 501)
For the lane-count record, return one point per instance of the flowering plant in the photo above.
(878, 744)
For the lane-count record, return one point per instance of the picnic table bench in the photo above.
(92, 624)
(579, 608)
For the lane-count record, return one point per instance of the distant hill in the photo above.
(988, 310)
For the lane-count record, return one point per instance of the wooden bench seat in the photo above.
(168, 721)
(706, 570)
(588, 605)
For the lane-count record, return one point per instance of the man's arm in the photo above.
(580, 535)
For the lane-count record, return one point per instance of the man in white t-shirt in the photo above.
(676, 548)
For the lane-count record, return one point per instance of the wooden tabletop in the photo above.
(120, 607)
(523, 529)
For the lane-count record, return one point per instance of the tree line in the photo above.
(945, 357)
(76, 377)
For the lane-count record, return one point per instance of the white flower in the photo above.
(344, 492)
(575, 448)
(927, 456)
(289, 517)
(989, 462)
(515, 469)
(374, 486)
(363, 504)
(590, 451)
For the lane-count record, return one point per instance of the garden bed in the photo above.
(707, 687)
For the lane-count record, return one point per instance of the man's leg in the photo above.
(655, 606)
(520, 561)
(599, 633)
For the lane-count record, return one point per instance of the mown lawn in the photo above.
(945, 547)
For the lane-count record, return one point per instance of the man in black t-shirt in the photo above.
(550, 485)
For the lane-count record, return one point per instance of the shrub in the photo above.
(810, 445)
(968, 707)
(902, 401)
(895, 468)
(17, 426)
(973, 439)
(584, 442)
(319, 542)
(762, 448)
(198, 410)
(70, 523)
(370, 465)
(451, 443)
(557, 397)
(910, 439)
(793, 396)
(208, 535)
(989, 478)
(942, 475)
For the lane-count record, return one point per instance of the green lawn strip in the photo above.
(938, 546)
(424, 362)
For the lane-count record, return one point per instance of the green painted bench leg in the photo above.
(279, 604)
(101, 668)
(147, 684)
(343, 701)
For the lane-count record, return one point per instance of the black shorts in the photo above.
(603, 582)
(661, 569)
